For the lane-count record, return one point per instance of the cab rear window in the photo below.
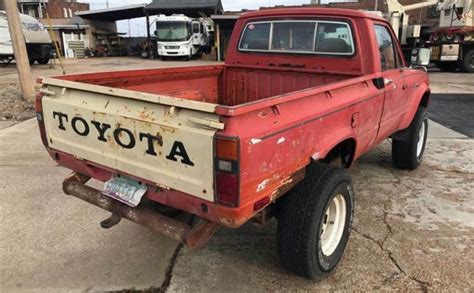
(298, 36)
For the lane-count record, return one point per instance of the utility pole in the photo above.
(19, 49)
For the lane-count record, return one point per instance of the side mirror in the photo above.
(420, 56)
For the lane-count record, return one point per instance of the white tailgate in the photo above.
(167, 148)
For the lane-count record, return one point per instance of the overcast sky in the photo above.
(138, 27)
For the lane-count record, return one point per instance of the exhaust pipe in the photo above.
(192, 236)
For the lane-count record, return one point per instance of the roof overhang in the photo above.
(190, 8)
(68, 26)
(115, 13)
(225, 20)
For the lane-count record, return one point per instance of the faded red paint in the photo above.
(284, 115)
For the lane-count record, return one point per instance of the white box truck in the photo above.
(37, 39)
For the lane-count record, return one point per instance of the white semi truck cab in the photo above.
(182, 36)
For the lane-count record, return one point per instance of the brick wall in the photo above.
(56, 7)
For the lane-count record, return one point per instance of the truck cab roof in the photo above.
(303, 11)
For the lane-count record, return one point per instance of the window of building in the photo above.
(70, 12)
(447, 13)
(459, 12)
(65, 12)
(31, 10)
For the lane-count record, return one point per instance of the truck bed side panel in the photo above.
(249, 84)
(291, 134)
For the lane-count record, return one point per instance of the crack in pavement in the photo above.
(423, 285)
(381, 243)
(169, 270)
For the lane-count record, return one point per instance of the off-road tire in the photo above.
(302, 212)
(467, 64)
(405, 154)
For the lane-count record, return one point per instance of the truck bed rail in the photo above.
(129, 94)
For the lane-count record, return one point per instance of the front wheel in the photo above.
(314, 222)
(467, 64)
(407, 152)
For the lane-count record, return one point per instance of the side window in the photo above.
(388, 55)
(196, 28)
(256, 37)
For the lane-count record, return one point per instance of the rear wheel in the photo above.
(32, 61)
(314, 222)
(467, 64)
(407, 152)
(43, 61)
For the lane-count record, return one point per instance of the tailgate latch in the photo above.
(207, 123)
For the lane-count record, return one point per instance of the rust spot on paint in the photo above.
(262, 114)
(159, 139)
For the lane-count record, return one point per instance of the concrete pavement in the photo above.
(52, 242)
(412, 230)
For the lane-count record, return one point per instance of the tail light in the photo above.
(39, 115)
(227, 170)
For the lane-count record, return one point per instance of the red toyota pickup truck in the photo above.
(303, 93)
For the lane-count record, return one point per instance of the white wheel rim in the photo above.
(421, 140)
(332, 225)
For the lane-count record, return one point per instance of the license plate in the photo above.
(125, 190)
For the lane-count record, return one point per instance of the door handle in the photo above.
(387, 81)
